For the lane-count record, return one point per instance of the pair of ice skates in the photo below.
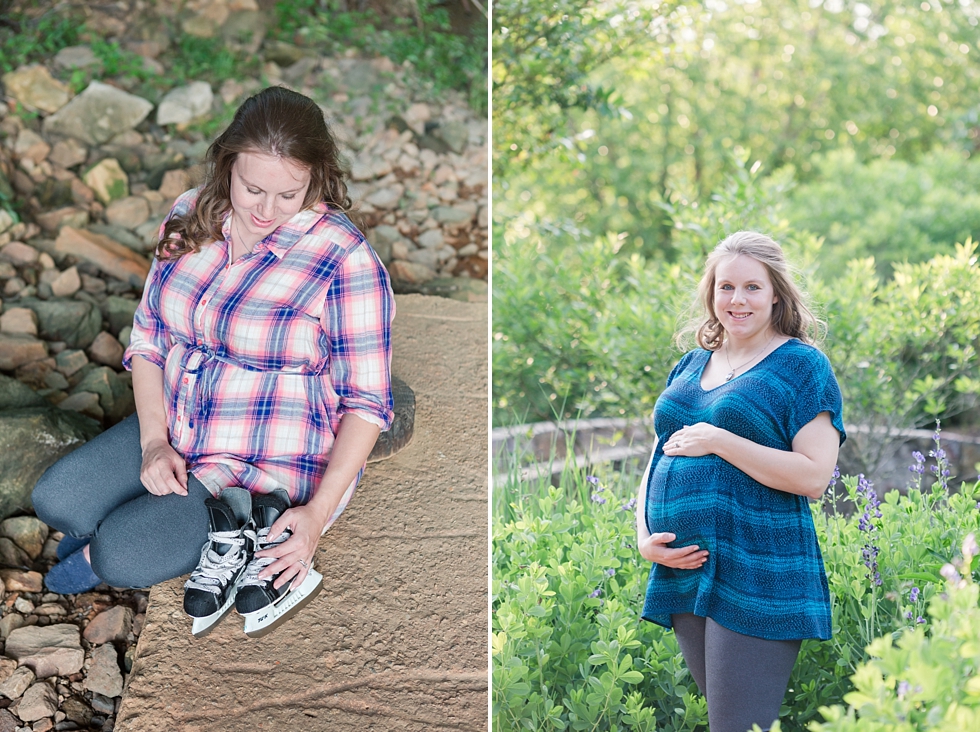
(228, 573)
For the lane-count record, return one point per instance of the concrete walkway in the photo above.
(398, 638)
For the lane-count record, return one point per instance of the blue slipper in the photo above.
(72, 575)
(69, 545)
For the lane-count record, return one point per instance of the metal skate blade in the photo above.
(267, 619)
(202, 626)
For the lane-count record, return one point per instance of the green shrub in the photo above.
(580, 330)
(923, 680)
(570, 651)
(892, 210)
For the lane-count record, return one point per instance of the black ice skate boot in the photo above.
(210, 592)
(263, 606)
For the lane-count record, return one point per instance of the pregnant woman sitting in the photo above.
(748, 429)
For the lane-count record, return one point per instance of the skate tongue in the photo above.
(222, 518)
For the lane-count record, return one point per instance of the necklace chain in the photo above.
(732, 369)
(234, 222)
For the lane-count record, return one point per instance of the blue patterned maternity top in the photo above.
(764, 576)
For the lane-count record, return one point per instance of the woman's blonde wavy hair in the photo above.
(276, 121)
(791, 314)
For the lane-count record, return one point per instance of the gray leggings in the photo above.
(743, 678)
(138, 539)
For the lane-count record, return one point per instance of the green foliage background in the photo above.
(629, 138)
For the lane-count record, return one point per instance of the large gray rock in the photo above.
(31, 440)
(119, 312)
(184, 103)
(73, 321)
(104, 676)
(54, 650)
(14, 394)
(98, 114)
(38, 702)
(455, 134)
(115, 397)
(76, 57)
(16, 684)
(28, 532)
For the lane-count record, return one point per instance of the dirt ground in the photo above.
(398, 638)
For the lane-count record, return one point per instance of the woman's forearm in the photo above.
(148, 394)
(805, 471)
(352, 445)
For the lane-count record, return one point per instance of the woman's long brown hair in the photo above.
(278, 122)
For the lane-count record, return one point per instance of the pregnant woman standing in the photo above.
(748, 429)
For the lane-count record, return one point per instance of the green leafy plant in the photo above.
(924, 678)
(25, 40)
(569, 649)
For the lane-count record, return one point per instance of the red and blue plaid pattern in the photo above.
(262, 356)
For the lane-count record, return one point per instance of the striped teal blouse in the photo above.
(764, 576)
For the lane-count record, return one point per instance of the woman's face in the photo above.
(743, 297)
(266, 191)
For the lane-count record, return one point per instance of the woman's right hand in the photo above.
(654, 549)
(163, 470)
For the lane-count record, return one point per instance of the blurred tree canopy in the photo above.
(607, 114)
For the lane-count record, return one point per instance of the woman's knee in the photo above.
(53, 504)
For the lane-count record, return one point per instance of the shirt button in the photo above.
(178, 417)
(186, 380)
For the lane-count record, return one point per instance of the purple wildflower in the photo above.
(834, 477)
(914, 595)
(949, 572)
(908, 615)
(592, 479)
(865, 488)
(920, 620)
(597, 498)
(629, 505)
(903, 689)
(610, 572)
(918, 456)
(596, 592)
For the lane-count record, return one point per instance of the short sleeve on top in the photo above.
(680, 366)
(818, 392)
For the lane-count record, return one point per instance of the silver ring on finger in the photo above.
(305, 565)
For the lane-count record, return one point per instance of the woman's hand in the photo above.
(654, 549)
(163, 470)
(694, 441)
(307, 525)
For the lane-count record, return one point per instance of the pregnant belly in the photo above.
(682, 499)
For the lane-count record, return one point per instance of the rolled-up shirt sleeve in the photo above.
(150, 338)
(358, 311)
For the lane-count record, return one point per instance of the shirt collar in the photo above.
(280, 240)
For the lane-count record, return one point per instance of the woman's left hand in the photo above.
(693, 441)
(306, 525)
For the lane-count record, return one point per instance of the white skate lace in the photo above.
(215, 571)
(261, 538)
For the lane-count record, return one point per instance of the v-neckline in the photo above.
(739, 376)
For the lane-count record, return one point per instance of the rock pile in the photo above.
(97, 172)
(65, 659)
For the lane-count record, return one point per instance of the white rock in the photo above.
(184, 103)
(387, 198)
(431, 239)
(98, 114)
(19, 320)
(67, 283)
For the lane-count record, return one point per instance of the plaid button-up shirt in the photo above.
(262, 356)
